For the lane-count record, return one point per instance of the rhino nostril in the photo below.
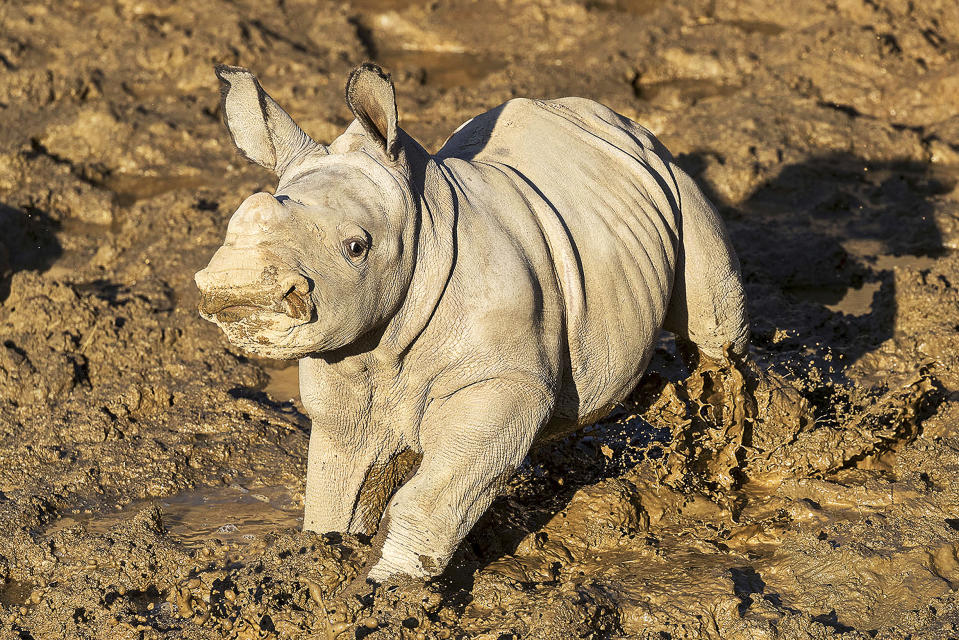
(295, 291)
(295, 283)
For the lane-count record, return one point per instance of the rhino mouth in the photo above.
(235, 312)
(228, 309)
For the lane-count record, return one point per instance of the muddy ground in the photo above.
(151, 476)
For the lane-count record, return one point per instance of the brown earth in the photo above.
(150, 487)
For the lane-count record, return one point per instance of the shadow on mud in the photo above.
(27, 242)
(286, 407)
(822, 231)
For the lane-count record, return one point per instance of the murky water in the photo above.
(380, 6)
(635, 7)
(284, 384)
(757, 26)
(689, 90)
(232, 514)
(128, 189)
(853, 301)
(16, 592)
(441, 69)
(858, 301)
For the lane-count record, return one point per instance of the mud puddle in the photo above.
(757, 26)
(127, 189)
(440, 69)
(16, 592)
(854, 301)
(93, 237)
(635, 7)
(397, 42)
(917, 263)
(859, 300)
(284, 384)
(681, 91)
(233, 514)
(382, 6)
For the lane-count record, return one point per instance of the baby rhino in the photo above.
(449, 310)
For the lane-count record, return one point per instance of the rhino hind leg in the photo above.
(461, 473)
(707, 307)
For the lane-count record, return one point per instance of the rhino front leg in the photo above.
(336, 475)
(472, 442)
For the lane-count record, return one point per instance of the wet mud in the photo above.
(151, 476)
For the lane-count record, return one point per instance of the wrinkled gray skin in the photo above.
(448, 310)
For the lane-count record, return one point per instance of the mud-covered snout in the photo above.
(245, 276)
(230, 295)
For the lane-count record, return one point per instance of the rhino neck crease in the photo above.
(435, 252)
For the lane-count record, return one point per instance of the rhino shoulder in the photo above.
(493, 131)
(520, 122)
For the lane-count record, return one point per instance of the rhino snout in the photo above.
(227, 302)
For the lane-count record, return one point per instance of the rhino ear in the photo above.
(372, 99)
(261, 129)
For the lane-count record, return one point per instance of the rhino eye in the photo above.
(356, 248)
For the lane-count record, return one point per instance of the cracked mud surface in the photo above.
(151, 476)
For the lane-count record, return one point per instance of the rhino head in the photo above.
(326, 259)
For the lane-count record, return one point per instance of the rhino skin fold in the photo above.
(448, 310)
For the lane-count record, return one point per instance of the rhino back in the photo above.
(600, 188)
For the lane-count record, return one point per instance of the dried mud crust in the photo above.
(812, 492)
